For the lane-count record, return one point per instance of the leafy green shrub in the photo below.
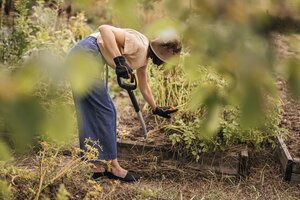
(193, 129)
(13, 39)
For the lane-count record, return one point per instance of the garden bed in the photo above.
(157, 154)
(228, 163)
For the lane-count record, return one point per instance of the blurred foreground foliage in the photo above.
(51, 175)
(35, 99)
(224, 84)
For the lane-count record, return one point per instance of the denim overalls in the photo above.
(95, 111)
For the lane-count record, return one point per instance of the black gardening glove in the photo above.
(122, 68)
(164, 111)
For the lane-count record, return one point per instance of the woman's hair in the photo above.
(173, 46)
(160, 51)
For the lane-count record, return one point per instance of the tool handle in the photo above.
(134, 101)
(128, 86)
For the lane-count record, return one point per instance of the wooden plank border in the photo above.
(126, 148)
(244, 164)
(233, 164)
(296, 166)
(290, 166)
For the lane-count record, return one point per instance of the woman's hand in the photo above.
(122, 68)
(164, 111)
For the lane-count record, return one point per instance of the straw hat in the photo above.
(166, 45)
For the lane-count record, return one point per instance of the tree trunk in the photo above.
(7, 6)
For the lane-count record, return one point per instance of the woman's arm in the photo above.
(144, 87)
(114, 39)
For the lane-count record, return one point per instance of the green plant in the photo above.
(33, 76)
(5, 191)
(13, 39)
(194, 130)
(49, 169)
(62, 193)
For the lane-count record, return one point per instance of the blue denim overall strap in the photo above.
(95, 110)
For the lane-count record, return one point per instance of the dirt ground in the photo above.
(291, 120)
(171, 182)
(129, 126)
(264, 182)
(291, 108)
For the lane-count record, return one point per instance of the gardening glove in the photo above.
(122, 68)
(164, 111)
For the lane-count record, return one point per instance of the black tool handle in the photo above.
(133, 100)
(128, 86)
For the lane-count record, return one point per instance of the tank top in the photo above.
(135, 49)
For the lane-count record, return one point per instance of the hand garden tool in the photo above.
(130, 87)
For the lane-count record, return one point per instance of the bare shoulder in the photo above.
(106, 26)
(119, 33)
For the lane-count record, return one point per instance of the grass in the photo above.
(264, 182)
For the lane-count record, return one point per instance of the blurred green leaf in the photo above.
(84, 70)
(252, 107)
(5, 154)
(127, 13)
(24, 117)
(164, 26)
(293, 80)
(5, 192)
(211, 122)
(59, 124)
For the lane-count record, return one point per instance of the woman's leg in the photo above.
(115, 167)
(97, 123)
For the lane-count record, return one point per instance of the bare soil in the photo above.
(290, 120)
(130, 128)
(291, 107)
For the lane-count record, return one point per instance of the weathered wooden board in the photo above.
(218, 162)
(244, 165)
(233, 163)
(296, 166)
(295, 178)
(290, 166)
(127, 148)
(285, 159)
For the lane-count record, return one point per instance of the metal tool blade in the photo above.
(141, 119)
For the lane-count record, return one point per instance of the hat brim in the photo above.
(160, 51)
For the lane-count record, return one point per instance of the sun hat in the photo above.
(166, 45)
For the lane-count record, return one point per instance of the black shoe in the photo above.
(130, 177)
(97, 175)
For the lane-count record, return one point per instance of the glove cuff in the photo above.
(119, 60)
(154, 110)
